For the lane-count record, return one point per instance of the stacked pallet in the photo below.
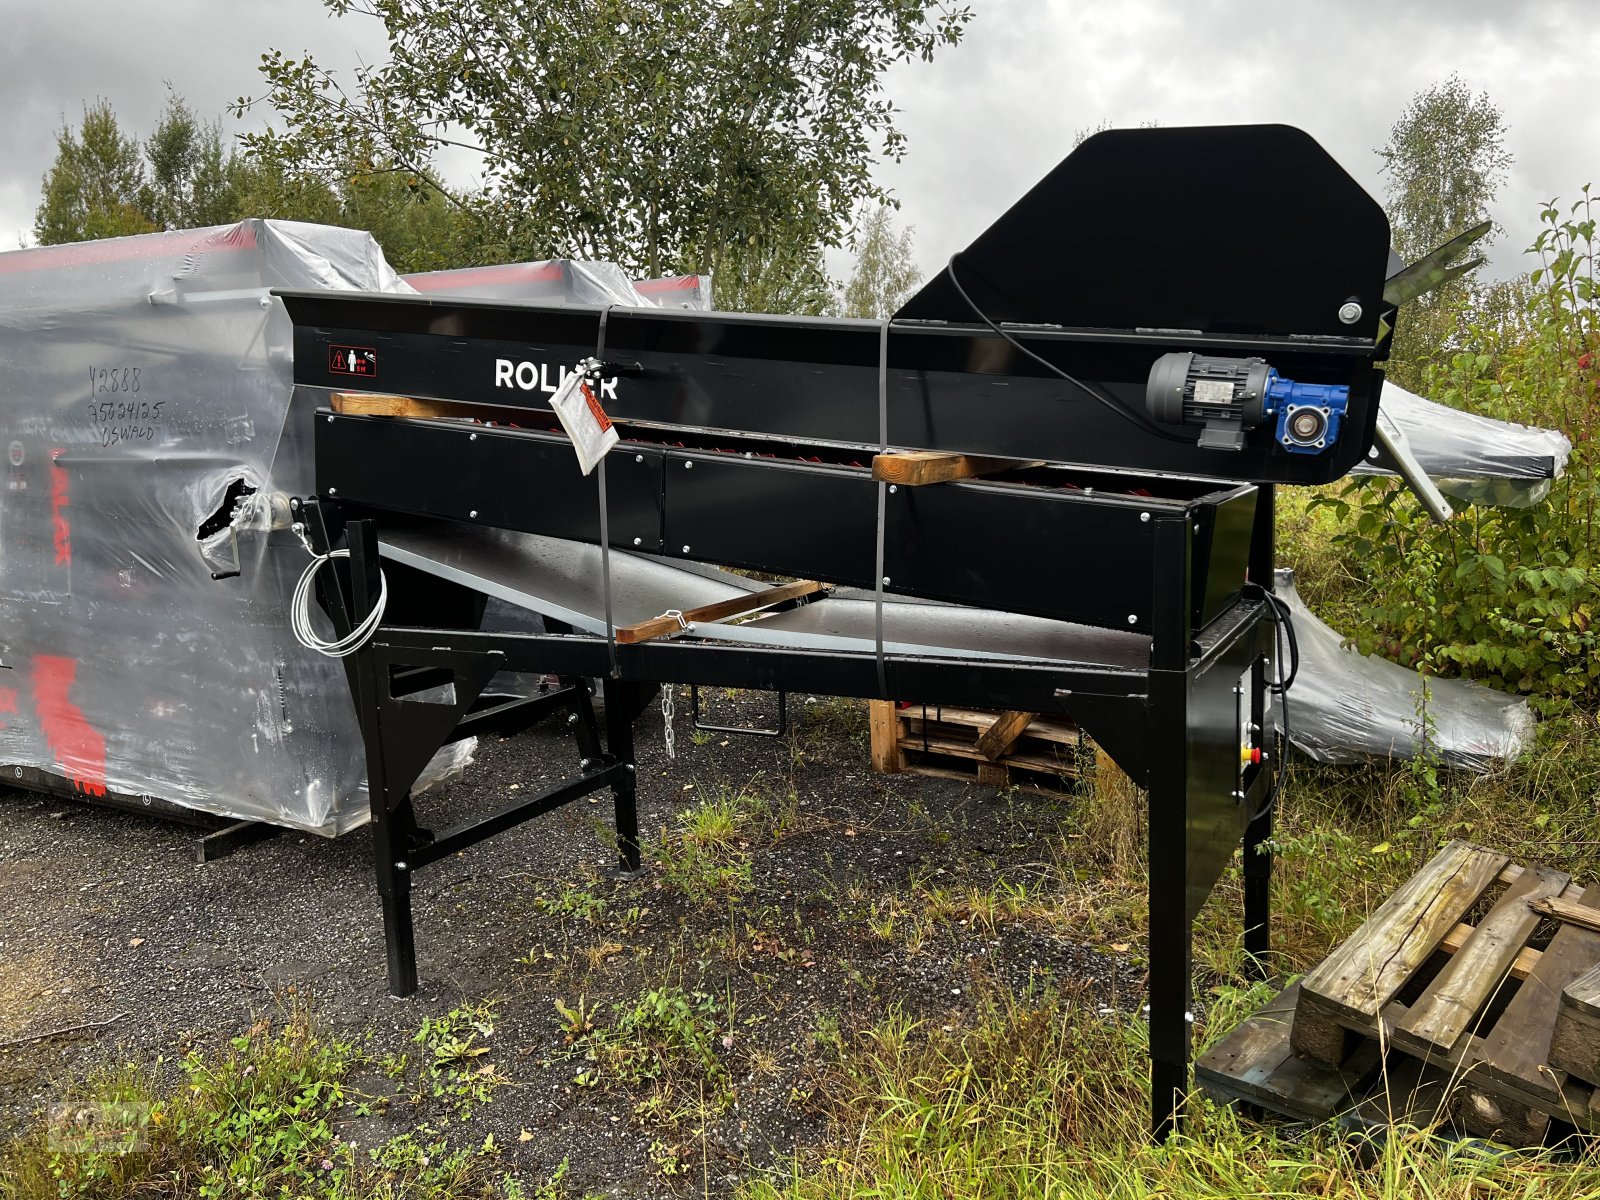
(1000, 749)
(1477, 983)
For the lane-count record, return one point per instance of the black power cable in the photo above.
(1138, 420)
(1283, 637)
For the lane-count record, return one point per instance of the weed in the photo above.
(256, 1117)
(706, 855)
(451, 1047)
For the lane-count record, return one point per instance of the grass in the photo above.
(273, 1112)
(1040, 1097)
(706, 852)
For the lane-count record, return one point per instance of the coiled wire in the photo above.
(300, 612)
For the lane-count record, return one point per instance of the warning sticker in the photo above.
(361, 361)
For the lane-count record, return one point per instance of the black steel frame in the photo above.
(1173, 728)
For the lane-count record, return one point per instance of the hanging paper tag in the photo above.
(586, 423)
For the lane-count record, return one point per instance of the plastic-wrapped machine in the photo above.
(1475, 459)
(555, 281)
(148, 418)
(1345, 707)
(567, 281)
(677, 291)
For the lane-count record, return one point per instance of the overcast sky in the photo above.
(985, 120)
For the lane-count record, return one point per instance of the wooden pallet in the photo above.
(1480, 970)
(999, 749)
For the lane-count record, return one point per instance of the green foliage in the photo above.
(661, 136)
(104, 184)
(261, 1116)
(1504, 595)
(886, 271)
(94, 188)
(451, 1047)
(668, 1047)
(706, 854)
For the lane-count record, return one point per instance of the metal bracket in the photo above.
(783, 718)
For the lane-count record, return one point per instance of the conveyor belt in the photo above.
(561, 580)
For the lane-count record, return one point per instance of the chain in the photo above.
(668, 711)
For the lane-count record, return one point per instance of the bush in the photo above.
(1503, 595)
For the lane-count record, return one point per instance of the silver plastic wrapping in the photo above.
(677, 291)
(1345, 707)
(152, 429)
(554, 281)
(1472, 458)
(567, 281)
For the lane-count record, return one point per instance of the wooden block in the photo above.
(1513, 1057)
(1000, 737)
(735, 606)
(364, 404)
(1055, 729)
(993, 775)
(1255, 1063)
(1352, 985)
(1441, 1020)
(1575, 1042)
(1406, 1092)
(884, 724)
(1486, 1115)
(917, 468)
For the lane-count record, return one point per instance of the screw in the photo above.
(333, 491)
(472, 437)
(400, 866)
(688, 466)
(330, 418)
(473, 513)
(891, 489)
(686, 549)
(583, 764)
(572, 718)
(1145, 518)
(1349, 312)
(1133, 618)
(638, 458)
(638, 541)
(885, 581)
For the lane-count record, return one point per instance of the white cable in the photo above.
(300, 612)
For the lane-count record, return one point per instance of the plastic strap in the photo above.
(883, 503)
(605, 527)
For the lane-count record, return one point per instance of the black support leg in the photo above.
(1258, 894)
(620, 700)
(391, 834)
(1170, 974)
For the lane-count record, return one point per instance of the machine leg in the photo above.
(581, 719)
(1258, 894)
(391, 833)
(624, 793)
(1170, 996)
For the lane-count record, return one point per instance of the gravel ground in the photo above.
(106, 917)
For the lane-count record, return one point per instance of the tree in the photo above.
(1445, 159)
(94, 187)
(660, 134)
(885, 273)
(103, 183)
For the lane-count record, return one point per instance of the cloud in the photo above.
(985, 119)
